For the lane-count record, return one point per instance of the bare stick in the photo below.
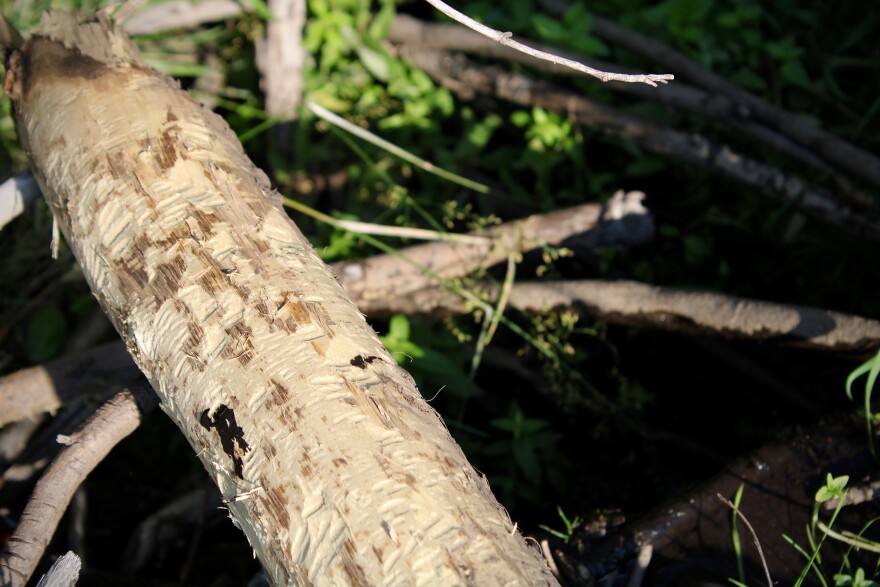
(745, 520)
(115, 420)
(384, 230)
(506, 39)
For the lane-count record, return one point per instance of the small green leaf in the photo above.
(833, 488)
(381, 24)
(376, 62)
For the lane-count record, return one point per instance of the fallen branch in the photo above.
(157, 18)
(115, 420)
(280, 60)
(637, 304)
(329, 459)
(467, 79)
(621, 221)
(416, 34)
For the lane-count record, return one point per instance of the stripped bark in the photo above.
(328, 458)
(469, 79)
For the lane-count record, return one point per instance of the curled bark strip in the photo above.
(63, 573)
(115, 420)
(621, 221)
(329, 459)
(467, 79)
(639, 304)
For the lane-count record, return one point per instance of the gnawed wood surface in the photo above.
(330, 461)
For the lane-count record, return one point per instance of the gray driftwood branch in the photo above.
(87, 447)
(638, 304)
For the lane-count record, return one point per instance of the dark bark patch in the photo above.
(133, 265)
(275, 503)
(280, 405)
(261, 245)
(305, 466)
(45, 59)
(204, 220)
(231, 434)
(168, 275)
(354, 571)
(240, 346)
(166, 150)
(280, 393)
(361, 362)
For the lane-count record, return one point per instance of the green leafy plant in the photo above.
(570, 526)
(871, 368)
(533, 448)
(434, 368)
(818, 532)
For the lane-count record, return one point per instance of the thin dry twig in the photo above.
(745, 520)
(358, 227)
(507, 40)
(548, 556)
(113, 421)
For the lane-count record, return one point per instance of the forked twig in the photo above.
(507, 40)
